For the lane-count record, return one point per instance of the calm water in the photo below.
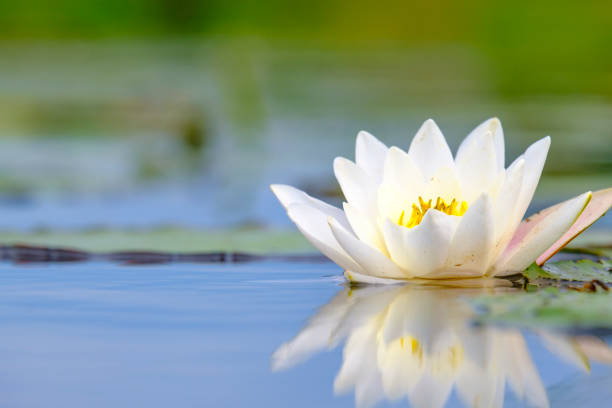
(268, 335)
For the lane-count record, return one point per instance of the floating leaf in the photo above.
(583, 270)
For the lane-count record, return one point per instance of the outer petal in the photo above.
(370, 155)
(472, 244)
(423, 249)
(535, 157)
(429, 149)
(313, 224)
(535, 237)
(505, 205)
(371, 260)
(365, 228)
(477, 159)
(357, 186)
(600, 203)
(356, 277)
(288, 196)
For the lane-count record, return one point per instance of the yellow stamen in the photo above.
(418, 211)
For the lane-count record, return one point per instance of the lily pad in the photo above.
(550, 308)
(583, 270)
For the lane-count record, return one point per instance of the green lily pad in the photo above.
(550, 308)
(583, 270)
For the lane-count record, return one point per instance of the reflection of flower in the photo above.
(424, 214)
(414, 343)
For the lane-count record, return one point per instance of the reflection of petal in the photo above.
(521, 373)
(415, 343)
(578, 351)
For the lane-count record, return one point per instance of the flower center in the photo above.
(418, 211)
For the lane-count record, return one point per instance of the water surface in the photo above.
(101, 334)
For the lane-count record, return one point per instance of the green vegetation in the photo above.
(530, 47)
(167, 239)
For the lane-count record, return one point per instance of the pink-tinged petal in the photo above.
(371, 260)
(429, 149)
(288, 196)
(600, 203)
(313, 224)
(535, 235)
(370, 155)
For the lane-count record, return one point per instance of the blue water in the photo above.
(101, 335)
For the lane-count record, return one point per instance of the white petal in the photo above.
(535, 157)
(371, 260)
(477, 161)
(505, 204)
(288, 196)
(538, 236)
(471, 247)
(358, 187)
(492, 127)
(370, 155)
(365, 228)
(402, 172)
(356, 277)
(444, 184)
(313, 224)
(423, 249)
(429, 149)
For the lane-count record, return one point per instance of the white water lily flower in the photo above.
(423, 214)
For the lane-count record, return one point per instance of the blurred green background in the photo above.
(178, 114)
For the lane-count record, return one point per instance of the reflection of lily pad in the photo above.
(583, 270)
(549, 308)
(599, 251)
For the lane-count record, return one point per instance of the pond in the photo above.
(271, 334)
(171, 146)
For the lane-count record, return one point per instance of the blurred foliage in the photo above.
(166, 239)
(534, 47)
